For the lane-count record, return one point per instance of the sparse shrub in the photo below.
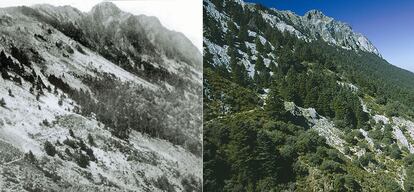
(30, 157)
(82, 160)
(46, 123)
(69, 49)
(59, 44)
(363, 145)
(190, 184)
(409, 159)
(89, 152)
(346, 183)
(347, 151)
(56, 92)
(67, 151)
(2, 102)
(91, 140)
(331, 166)
(350, 138)
(377, 146)
(70, 143)
(382, 100)
(71, 133)
(314, 159)
(409, 182)
(333, 155)
(50, 148)
(20, 55)
(163, 184)
(10, 93)
(79, 48)
(366, 127)
(395, 152)
(195, 148)
(40, 37)
(358, 134)
(365, 159)
(82, 145)
(60, 102)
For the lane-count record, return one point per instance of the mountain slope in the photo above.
(77, 117)
(300, 103)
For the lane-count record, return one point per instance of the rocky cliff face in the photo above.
(312, 26)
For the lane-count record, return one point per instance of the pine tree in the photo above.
(229, 36)
(259, 66)
(266, 155)
(272, 67)
(259, 45)
(243, 37)
(275, 106)
(238, 71)
(207, 58)
(268, 47)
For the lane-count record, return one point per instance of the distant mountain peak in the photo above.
(106, 8)
(314, 14)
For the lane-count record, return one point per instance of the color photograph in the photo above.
(308, 95)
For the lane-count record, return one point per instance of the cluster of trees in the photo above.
(409, 166)
(250, 151)
(222, 96)
(82, 155)
(126, 106)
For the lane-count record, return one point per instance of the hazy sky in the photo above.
(185, 16)
(388, 24)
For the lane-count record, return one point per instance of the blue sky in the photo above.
(388, 24)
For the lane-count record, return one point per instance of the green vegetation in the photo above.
(251, 143)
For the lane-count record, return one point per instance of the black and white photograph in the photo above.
(101, 95)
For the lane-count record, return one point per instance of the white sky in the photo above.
(185, 16)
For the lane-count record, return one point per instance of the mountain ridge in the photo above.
(174, 41)
(345, 37)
